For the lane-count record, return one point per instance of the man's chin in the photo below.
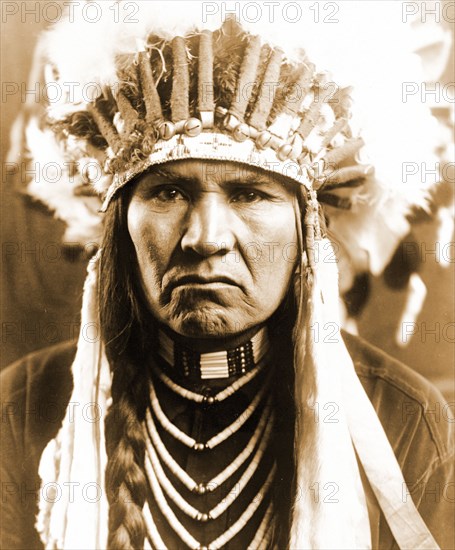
(204, 322)
(202, 312)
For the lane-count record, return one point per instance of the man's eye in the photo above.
(167, 194)
(248, 197)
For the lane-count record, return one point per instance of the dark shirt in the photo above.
(37, 389)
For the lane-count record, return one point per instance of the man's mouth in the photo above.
(211, 281)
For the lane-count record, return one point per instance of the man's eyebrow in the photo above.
(251, 178)
(169, 175)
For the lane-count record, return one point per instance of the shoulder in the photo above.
(419, 425)
(417, 419)
(35, 390)
(373, 364)
(49, 367)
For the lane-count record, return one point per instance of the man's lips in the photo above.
(211, 280)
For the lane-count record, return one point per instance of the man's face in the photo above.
(216, 245)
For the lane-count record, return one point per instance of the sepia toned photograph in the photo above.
(228, 306)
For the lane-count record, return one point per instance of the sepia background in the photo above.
(42, 277)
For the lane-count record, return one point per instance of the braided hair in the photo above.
(121, 316)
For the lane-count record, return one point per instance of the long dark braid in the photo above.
(126, 347)
(125, 479)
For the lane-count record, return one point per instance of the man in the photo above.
(210, 412)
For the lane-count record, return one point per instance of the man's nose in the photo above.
(209, 227)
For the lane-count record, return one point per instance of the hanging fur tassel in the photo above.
(333, 417)
(73, 463)
(330, 509)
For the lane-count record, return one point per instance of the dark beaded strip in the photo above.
(187, 362)
(240, 359)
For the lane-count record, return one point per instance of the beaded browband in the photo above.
(219, 96)
(220, 364)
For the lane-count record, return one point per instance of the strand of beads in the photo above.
(219, 397)
(152, 530)
(151, 431)
(216, 439)
(223, 539)
(166, 510)
(183, 533)
(264, 527)
(224, 504)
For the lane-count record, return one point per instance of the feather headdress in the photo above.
(397, 128)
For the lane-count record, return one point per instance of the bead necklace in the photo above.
(265, 542)
(183, 533)
(158, 472)
(202, 488)
(216, 439)
(158, 455)
(206, 399)
(261, 538)
(153, 533)
(263, 530)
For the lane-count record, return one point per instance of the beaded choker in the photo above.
(220, 364)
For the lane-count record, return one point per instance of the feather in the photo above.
(51, 163)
